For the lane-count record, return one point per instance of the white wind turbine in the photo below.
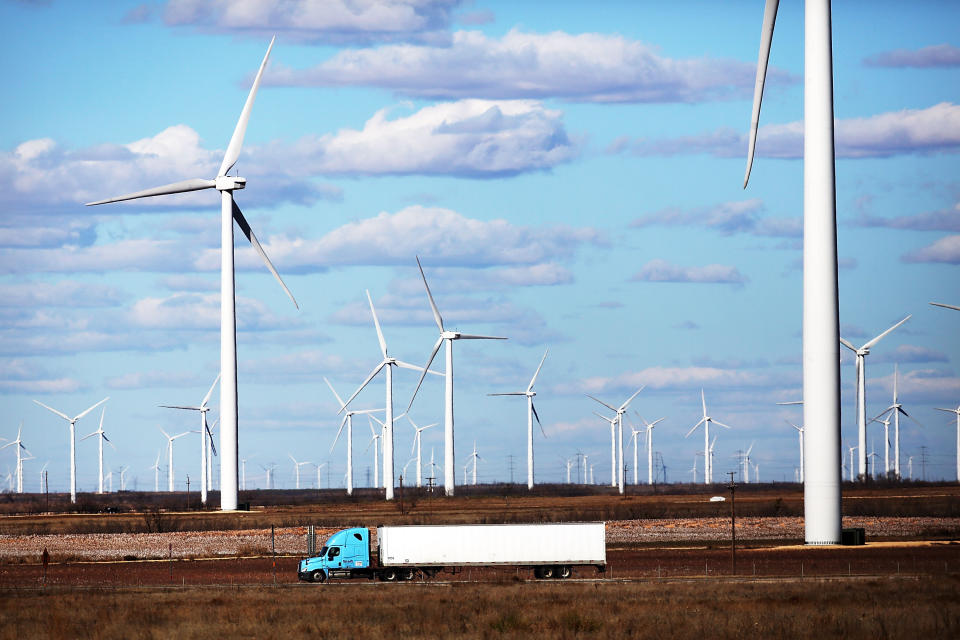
(707, 447)
(613, 446)
(103, 437)
(474, 457)
(896, 409)
(296, 468)
(851, 468)
(387, 365)
(531, 414)
(204, 434)
(861, 353)
(745, 464)
(633, 438)
(445, 337)
(886, 444)
(800, 435)
(821, 303)
(432, 466)
(123, 481)
(649, 431)
(156, 472)
(375, 441)
(211, 451)
(229, 211)
(619, 416)
(347, 420)
(73, 442)
(18, 443)
(319, 467)
(957, 412)
(693, 469)
(170, 440)
(417, 444)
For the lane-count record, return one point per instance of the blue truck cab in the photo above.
(346, 553)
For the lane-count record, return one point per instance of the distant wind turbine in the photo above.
(375, 441)
(103, 437)
(896, 409)
(296, 467)
(957, 412)
(204, 434)
(229, 212)
(531, 414)
(613, 446)
(445, 337)
(347, 420)
(800, 434)
(18, 443)
(649, 432)
(706, 420)
(170, 439)
(619, 411)
(475, 457)
(73, 442)
(156, 472)
(417, 443)
(861, 353)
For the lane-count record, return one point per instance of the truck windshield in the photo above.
(323, 551)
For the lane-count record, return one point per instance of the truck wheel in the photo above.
(388, 575)
(547, 572)
(563, 572)
(408, 574)
(318, 576)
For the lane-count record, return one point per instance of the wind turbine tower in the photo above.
(204, 434)
(348, 420)
(229, 212)
(707, 446)
(619, 411)
(957, 412)
(73, 442)
(170, 439)
(100, 440)
(18, 443)
(531, 414)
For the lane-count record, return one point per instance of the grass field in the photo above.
(848, 608)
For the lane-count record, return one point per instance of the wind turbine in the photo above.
(73, 442)
(18, 443)
(347, 420)
(745, 463)
(957, 412)
(156, 472)
(319, 467)
(649, 426)
(800, 434)
(474, 457)
(211, 451)
(375, 441)
(693, 469)
(229, 211)
(821, 308)
(613, 446)
(103, 437)
(633, 438)
(296, 467)
(619, 411)
(707, 447)
(204, 434)
(448, 337)
(269, 470)
(123, 481)
(886, 444)
(896, 408)
(387, 364)
(945, 306)
(170, 440)
(531, 414)
(852, 449)
(862, 352)
(417, 443)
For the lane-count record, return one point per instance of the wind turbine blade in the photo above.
(407, 365)
(848, 345)
(947, 410)
(102, 411)
(62, 415)
(882, 413)
(294, 459)
(912, 418)
(630, 399)
(109, 443)
(81, 439)
(537, 372)
(471, 336)
(945, 306)
(534, 407)
(702, 420)
(236, 141)
(601, 402)
(725, 426)
(766, 37)
(433, 305)
(92, 408)
(174, 406)
(365, 383)
(335, 394)
(879, 337)
(512, 393)
(206, 398)
(247, 231)
(195, 184)
(165, 434)
(433, 354)
(703, 400)
(376, 323)
(791, 402)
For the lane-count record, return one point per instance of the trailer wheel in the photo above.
(563, 572)
(388, 575)
(547, 572)
(318, 576)
(408, 574)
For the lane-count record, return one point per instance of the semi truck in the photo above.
(405, 552)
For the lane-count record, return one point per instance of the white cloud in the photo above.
(154, 379)
(740, 216)
(66, 293)
(24, 376)
(665, 378)
(584, 67)
(319, 21)
(201, 311)
(938, 55)
(946, 249)
(659, 270)
(942, 220)
(935, 129)
(922, 385)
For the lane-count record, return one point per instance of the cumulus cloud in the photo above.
(320, 22)
(153, 379)
(590, 67)
(922, 385)
(912, 353)
(946, 249)
(201, 311)
(66, 293)
(24, 376)
(469, 138)
(659, 270)
(935, 129)
(744, 216)
(938, 55)
(665, 378)
(942, 220)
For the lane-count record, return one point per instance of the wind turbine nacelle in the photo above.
(230, 183)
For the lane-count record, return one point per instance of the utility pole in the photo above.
(923, 463)
(368, 476)
(510, 459)
(733, 523)
(188, 490)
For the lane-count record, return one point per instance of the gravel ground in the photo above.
(292, 540)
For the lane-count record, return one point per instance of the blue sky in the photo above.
(570, 179)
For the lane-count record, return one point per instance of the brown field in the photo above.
(670, 571)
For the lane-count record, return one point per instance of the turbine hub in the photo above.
(449, 335)
(230, 183)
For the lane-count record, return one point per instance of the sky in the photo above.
(571, 179)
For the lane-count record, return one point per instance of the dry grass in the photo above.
(873, 608)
